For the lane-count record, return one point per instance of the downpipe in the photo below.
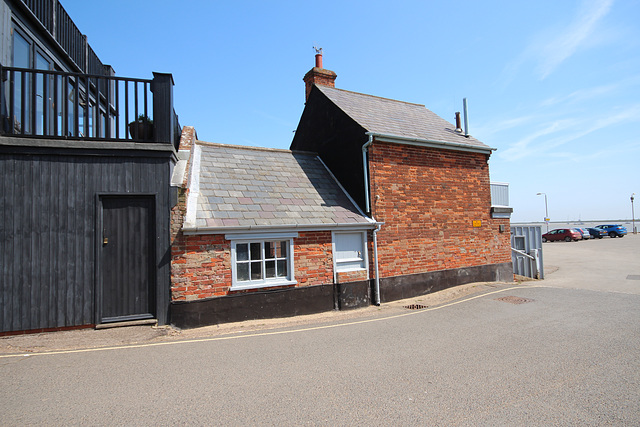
(375, 261)
(367, 204)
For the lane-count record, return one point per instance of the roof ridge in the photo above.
(373, 96)
(249, 147)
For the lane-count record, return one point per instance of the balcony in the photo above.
(63, 105)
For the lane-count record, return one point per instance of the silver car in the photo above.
(585, 234)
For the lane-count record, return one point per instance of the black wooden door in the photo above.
(127, 259)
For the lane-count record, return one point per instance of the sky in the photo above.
(553, 86)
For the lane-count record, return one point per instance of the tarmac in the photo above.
(146, 334)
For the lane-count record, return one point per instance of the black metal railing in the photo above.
(64, 31)
(43, 10)
(61, 105)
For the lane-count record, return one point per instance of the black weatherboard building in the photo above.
(86, 159)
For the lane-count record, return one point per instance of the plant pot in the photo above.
(141, 131)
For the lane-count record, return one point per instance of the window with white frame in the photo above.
(350, 251)
(262, 263)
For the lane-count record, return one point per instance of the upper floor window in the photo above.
(25, 54)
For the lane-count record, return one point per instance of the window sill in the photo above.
(259, 285)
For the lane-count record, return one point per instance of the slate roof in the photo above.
(253, 188)
(397, 118)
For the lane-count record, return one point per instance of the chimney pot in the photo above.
(458, 122)
(318, 76)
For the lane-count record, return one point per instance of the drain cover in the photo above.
(633, 277)
(415, 306)
(514, 300)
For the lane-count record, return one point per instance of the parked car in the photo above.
(613, 230)
(585, 233)
(566, 234)
(597, 233)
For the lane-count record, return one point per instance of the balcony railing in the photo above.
(55, 19)
(61, 105)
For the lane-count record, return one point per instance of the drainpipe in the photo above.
(365, 168)
(375, 261)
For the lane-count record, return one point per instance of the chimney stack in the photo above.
(318, 76)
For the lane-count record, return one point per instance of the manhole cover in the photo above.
(633, 277)
(514, 300)
(415, 306)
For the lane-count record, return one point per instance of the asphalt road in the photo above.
(567, 354)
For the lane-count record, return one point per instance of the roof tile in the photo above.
(397, 118)
(246, 186)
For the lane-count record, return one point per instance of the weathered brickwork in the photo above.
(201, 264)
(313, 260)
(352, 276)
(201, 267)
(320, 77)
(428, 199)
(187, 138)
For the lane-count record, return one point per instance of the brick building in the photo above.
(263, 233)
(419, 175)
(376, 200)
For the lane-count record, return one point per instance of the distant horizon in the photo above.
(568, 221)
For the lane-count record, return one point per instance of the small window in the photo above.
(519, 242)
(258, 264)
(350, 251)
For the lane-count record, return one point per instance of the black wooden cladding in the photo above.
(327, 130)
(48, 218)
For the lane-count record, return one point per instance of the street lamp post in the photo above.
(633, 215)
(546, 209)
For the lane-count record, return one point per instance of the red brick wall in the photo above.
(201, 264)
(313, 260)
(200, 267)
(428, 200)
(352, 276)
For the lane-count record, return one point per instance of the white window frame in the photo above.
(264, 282)
(364, 258)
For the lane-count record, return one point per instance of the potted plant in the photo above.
(141, 129)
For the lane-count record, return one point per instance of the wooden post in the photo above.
(163, 117)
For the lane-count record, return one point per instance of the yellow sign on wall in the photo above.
(477, 223)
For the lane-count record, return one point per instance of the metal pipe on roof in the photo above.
(466, 117)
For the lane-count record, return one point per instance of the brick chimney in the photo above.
(318, 75)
